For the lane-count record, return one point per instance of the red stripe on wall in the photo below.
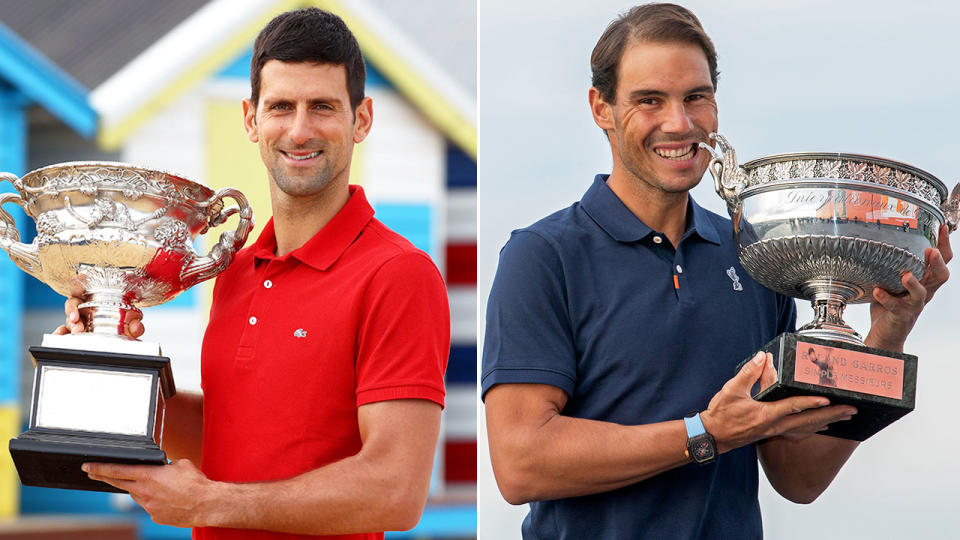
(462, 264)
(460, 461)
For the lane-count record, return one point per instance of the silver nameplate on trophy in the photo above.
(94, 400)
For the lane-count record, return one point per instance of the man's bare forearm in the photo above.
(539, 454)
(350, 496)
(800, 470)
(546, 455)
(183, 426)
(384, 487)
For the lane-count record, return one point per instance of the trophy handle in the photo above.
(951, 208)
(728, 178)
(221, 254)
(23, 255)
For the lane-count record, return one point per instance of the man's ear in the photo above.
(602, 111)
(363, 119)
(250, 120)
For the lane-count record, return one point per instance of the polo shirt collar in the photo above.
(330, 242)
(609, 212)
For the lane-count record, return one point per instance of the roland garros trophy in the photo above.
(829, 227)
(120, 237)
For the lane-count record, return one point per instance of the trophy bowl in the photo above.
(829, 227)
(119, 235)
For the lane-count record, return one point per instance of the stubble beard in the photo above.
(645, 174)
(302, 186)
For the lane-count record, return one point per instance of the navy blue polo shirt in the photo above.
(593, 301)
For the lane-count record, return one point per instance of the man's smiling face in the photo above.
(664, 107)
(304, 125)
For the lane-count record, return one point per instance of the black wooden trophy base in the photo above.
(871, 371)
(51, 457)
(47, 459)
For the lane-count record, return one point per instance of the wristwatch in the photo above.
(701, 447)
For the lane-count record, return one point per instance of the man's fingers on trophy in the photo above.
(135, 328)
(913, 298)
(133, 323)
(943, 244)
(916, 292)
(748, 375)
(936, 273)
(126, 485)
(115, 471)
(795, 405)
(815, 420)
(72, 311)
(769, 375)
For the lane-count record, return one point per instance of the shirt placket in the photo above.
(255, 317)
(673, 257)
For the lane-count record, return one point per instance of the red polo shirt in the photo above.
(296, 343)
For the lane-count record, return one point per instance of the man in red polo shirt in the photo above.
(322, 366)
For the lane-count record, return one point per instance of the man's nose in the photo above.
(301, 130)
(676, 119)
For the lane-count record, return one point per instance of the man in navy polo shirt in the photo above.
(611, 320)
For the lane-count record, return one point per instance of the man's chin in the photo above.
(301, 185)
(680, 185)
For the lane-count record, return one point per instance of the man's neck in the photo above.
(297, 219)
(659, 210)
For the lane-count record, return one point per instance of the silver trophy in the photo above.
(121, 237)
(829, 227)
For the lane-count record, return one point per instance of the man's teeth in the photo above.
(678, 154)
(303, 157)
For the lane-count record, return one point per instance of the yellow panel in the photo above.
(234, 161)
(9, 481)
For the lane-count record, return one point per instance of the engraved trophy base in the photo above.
(91, 406)
(880, 384)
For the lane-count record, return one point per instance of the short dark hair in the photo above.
(309, 35)
(657, 23)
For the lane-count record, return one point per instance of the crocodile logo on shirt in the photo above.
(300, 332)
(732, 274)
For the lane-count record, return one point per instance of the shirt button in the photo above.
(679, 269)
(267, 284)
(657, 239)
(253, 320)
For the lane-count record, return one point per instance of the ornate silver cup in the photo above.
(120, 237)
(829, 227)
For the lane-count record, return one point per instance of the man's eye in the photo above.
(280, 106)
(648, 101)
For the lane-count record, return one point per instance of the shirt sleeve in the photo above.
(403, 340)
(786, 315)
(529, 337)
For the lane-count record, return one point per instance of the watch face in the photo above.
(702, 450)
